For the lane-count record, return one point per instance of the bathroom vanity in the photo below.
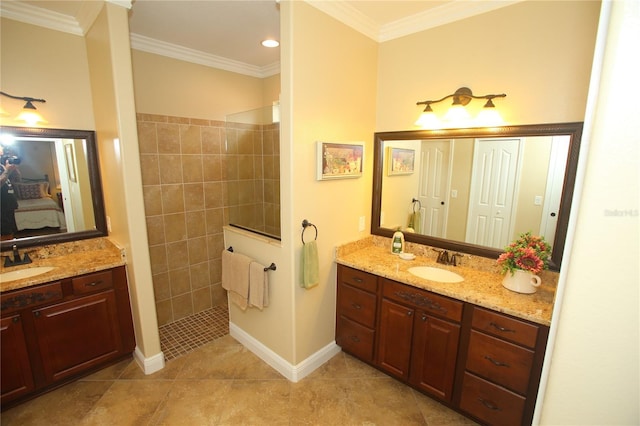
(66, 323)
(474, 346)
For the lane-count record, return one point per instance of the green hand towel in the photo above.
(310, 265)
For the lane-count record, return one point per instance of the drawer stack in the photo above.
(356, 312)
(501, 369)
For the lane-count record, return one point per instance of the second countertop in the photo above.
(480, 287)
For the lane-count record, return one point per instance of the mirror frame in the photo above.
(574, 130)
(94, 181)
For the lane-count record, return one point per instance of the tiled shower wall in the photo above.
(187, 176)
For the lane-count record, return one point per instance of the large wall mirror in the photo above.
(58, 189)
(476, 190)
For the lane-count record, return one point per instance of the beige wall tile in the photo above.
(152, 200)
(179, 281)
(182, 306)
(190, 140)
(175, 228)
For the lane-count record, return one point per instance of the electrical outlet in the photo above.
(108, 224)
(454, 193)
(361, 223)
(537, 201)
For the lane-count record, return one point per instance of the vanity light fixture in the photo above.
(458, 116)
(29, 113)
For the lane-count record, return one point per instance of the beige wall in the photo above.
(331, 97)
(167, 86)
(110, 70)
(537, 52)
(593, 368)
(46, 64)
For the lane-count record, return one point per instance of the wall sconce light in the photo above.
(458, 116)
(29, 113)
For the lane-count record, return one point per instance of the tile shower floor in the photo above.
(222, 383)
(185, 335)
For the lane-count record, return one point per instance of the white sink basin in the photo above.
(24, 273)
(435, 274)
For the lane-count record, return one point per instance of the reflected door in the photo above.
(434, 184)
(493, 185)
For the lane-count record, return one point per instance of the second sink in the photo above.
(435, 274)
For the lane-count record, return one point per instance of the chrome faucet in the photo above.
(16, 258)
(446, 259)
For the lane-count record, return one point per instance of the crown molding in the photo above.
(150, 45)
(437, 16)
(349, 16)
(24, 12)
(431, 18)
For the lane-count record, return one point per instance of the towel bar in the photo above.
(271, 267)
(305, 224)
(416, 201)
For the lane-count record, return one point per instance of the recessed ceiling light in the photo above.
(270, 43)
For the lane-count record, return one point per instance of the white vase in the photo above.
(521, 281)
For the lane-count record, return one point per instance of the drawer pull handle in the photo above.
(504, 330)
(356, 306)
(490, 405)
(93, 284)
(358, 280)
(496, 363)
(355, 339)
(15, 320)
(420, 300)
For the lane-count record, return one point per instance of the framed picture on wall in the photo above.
(401, 161)
(339, 160)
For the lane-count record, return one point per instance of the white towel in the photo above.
(235, 277)
(258, 286)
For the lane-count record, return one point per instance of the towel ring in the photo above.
(305, 224)
(415, 202)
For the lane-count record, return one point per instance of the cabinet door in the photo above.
(76, 335)
(17, 378)
(394, 345)
(435, 351)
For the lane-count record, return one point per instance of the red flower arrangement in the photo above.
(528, 253)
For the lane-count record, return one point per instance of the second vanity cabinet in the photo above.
(54, 332)
(482, 363)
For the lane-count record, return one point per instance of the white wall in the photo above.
(594, 375)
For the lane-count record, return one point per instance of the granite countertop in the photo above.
(68, 259)
(482, 283)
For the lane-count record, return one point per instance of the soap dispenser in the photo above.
(397, 243)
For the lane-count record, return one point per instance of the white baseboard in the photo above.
(293, 373)
(149, 365)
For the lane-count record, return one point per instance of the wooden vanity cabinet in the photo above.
(482, 363)
(56, 332)
(419, 335)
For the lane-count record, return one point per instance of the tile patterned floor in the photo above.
(187, 334)
(222, 383)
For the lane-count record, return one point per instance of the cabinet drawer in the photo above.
(490, 403)
(501, 362)
(432, 303)
(357, 305)
(92, 282)
(355, 339)
(506, 328)
(32, 296)
(357, 278)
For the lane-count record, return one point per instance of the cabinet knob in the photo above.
(424, 317)
(36, 314)
(15, 319)
(409, 313)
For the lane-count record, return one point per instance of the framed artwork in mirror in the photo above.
(339, 160)
(401, 161)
